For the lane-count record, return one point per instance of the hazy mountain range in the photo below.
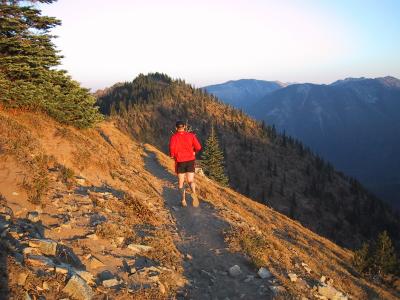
(354, 123)
(244, 93)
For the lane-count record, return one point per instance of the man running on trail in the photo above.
(183, 146)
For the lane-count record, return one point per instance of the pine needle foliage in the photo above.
(377, 257)
(28, 57)
(213, 160)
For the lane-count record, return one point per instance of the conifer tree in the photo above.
(213, 159)
(384, 260)
(362, 260)
(377, 257)
(27, 60)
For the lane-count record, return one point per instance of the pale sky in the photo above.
(213, 41)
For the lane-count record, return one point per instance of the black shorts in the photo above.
(185, 167)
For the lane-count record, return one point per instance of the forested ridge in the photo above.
(269, 167)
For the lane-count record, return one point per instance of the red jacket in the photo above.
(182, 146)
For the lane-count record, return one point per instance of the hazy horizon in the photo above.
(210, 42)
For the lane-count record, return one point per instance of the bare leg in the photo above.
(181, 182)
(190, 180)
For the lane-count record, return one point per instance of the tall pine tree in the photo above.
(27, 60)
(213, 160)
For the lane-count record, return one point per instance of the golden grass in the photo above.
(269, 238)
(273, 240)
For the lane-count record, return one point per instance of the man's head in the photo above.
(180, 125)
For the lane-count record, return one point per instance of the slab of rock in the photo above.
(331, 293)
(139, 248)
(264, 273)
(30, 250)
(22, 278)
(87, 276)
(235, 271)
(110, 282)
(46, 247)
(293, 277)
(93, 262)
(77, 288)
(61, 270)
(39, 261)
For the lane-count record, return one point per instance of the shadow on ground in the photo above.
(202, 242)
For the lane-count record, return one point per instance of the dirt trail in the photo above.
(201, 233)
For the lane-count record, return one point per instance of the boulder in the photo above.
(77, 288)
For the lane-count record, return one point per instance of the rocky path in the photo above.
(208, 262)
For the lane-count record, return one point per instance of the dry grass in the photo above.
(272, 240)
(267, 237)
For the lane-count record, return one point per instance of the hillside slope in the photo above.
(271, 168)
(353, 123)
(99, 198)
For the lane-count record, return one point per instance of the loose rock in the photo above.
(235, 271)
(22, 278)
(110, 282)
(39, 261)
(77, 288)
(264, 273)
(139, 248)
(87, 276)
(33, 216)
(293, 277)
(47, 247)
(94, 262)
(331, 293)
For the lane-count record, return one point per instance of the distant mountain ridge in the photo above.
(243, 93)
(354, 123)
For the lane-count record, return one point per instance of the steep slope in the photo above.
(243, 93)
(272, 168)
(353, 123)
(98, 194)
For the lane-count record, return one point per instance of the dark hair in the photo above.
(179, 124)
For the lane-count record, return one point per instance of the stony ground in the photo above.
(94, 215)
(208, 260)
